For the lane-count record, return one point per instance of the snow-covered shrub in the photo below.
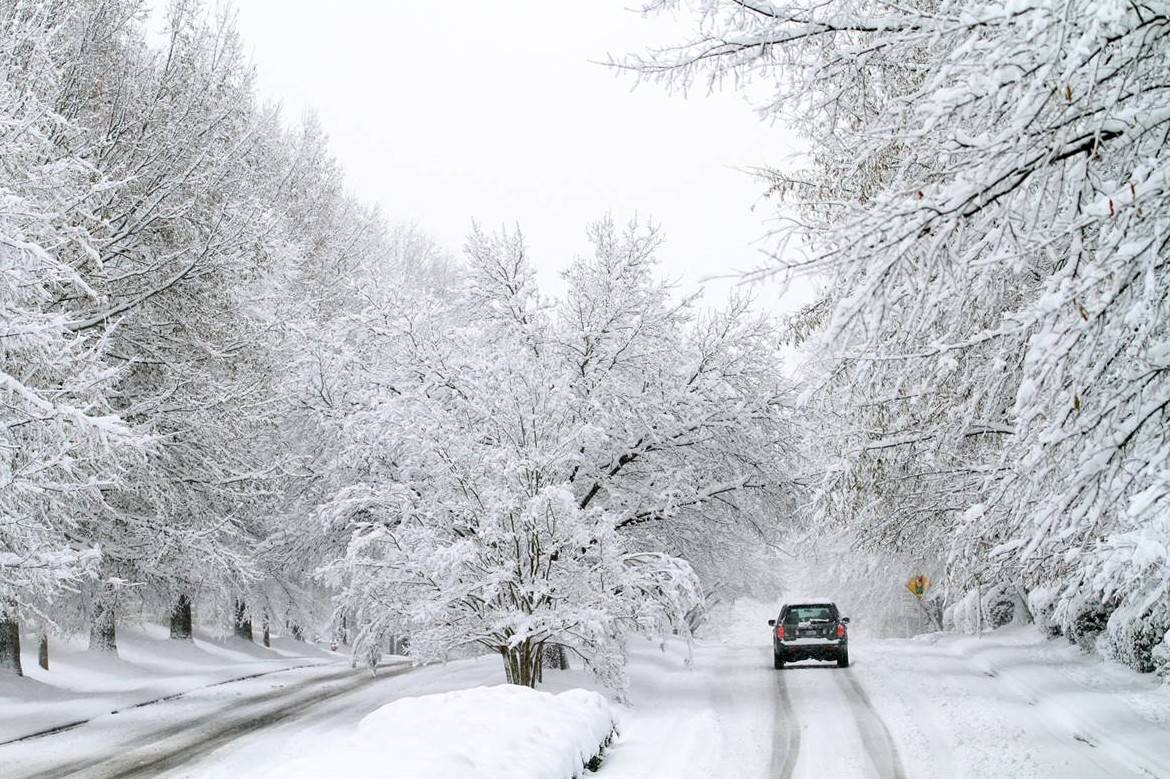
(1161, 657)
(1002, 605)
(963, 615)
(1135, 634)
(1134, 640)
(1132, 570)
(986, 609)
(1084, 620)
(1042, 604)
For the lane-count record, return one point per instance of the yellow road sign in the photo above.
(918, 585)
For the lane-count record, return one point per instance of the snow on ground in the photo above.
(710, 717)
(713, 718)
(149, 665)
(1009, 703)
(681, 721)
(148, 741)
(498, 732)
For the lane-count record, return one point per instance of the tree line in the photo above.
(165, 241)
(232, 393)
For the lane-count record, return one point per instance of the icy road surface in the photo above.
(1008, 704)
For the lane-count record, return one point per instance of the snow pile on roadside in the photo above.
(1011, 702)
(500, 732)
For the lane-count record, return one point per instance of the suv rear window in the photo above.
(810, 613)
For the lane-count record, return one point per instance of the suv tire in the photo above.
(843, 659)
(777, 661)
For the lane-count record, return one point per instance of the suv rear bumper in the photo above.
(809, 649)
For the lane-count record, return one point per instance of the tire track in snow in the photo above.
(786, 733)
(154, 737)
(152, 766)
(162, 699)
(875, 736)
(151, 754)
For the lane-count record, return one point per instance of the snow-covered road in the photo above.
(150, 740)
(732, 715)
(829, 713)
(1007, 704)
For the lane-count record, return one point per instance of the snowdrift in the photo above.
(500, 732)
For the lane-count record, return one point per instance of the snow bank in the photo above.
(501, 732)
(1014, 703)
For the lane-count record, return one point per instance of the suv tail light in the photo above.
(840, 630)
(779, 632)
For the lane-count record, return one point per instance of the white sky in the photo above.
(452, 110)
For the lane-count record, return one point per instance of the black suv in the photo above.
(812, 630)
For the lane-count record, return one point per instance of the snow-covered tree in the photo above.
(179, 277)
(524, 472)
(180, 238)
(62, 445)
(142, 215)
(987, 197)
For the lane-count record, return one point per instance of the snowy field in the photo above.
(1009, 703)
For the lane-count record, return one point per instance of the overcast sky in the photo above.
(496, 110)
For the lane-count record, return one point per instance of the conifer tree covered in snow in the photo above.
(526, 472)
(987, 200)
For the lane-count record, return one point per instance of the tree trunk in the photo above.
(43, 651)
(103, 635)
(181, 618)
(9, 645)
(522, 663)
(265, 634)
(979, 608)
(243, 623)
(295, 631)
